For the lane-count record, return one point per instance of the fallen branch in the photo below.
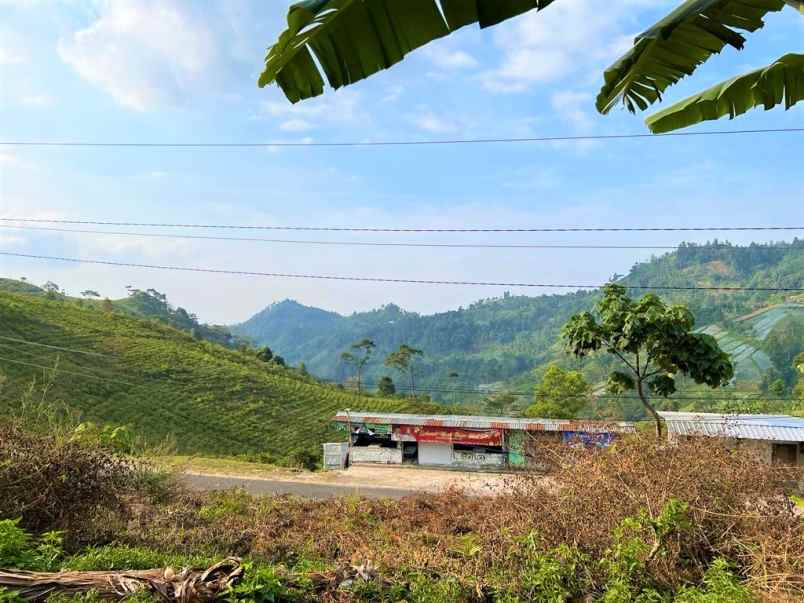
(184, 586)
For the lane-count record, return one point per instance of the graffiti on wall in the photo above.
(580, 439)
(476, 459)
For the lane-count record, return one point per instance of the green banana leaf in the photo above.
(353, 39)
(675, 46)
(782, 81)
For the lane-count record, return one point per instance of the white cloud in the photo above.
(571, 106)
(449, 59)
(38, 101)
(430, 122)
(557, 43)
(296, 125)
(341, 107)
(145, 53)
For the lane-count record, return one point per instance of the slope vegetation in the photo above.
(163, 382)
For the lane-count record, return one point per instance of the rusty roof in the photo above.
(779, 428)
(473, 422)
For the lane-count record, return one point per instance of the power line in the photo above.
(410, 230)
(54, 347)
(579, 396)
(389, 143)
(367, 279)
(73, 373)
(370, 243)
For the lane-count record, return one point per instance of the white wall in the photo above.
(376, 454)
(435, 454)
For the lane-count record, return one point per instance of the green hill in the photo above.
(498, 342)
(163, 382)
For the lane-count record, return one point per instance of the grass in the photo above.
(167, 385)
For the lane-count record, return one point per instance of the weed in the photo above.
(20, 550)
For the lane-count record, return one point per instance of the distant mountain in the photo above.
(498, 342)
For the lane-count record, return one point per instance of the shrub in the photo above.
(20, 550)
(51, 484)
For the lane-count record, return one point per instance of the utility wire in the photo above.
(374, 243)
(590, 396)
(385, 279)
(73, 373)
(388, 143)
(409, 230)
(54, 347)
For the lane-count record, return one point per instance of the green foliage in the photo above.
(386, 387)
(354, 39)
(780, 82)
(164, 385)
(561, 394)
(675, 46)
(116, 557)
(720, 585)
(654, 342)
(20, 550)
(262, 584)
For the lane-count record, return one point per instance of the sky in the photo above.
(186, 71)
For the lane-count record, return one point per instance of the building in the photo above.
(775, 438)
(468, 442)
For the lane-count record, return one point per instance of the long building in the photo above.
(774, 438)
(467, 442)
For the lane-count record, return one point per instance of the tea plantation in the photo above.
(164, 383)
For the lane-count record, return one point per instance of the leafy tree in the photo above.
(278, 360)
(265, 354)
(402, 360)
(386, 387)
(654, 343)
(499, 403)
(52, 290)
(88, 293)
(353, 39)
(359, 356)
(303, 370)
(561, 394)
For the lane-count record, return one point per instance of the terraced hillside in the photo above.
(163, 382)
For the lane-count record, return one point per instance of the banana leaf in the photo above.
(782, 81)
(353, 39)
(675, 46)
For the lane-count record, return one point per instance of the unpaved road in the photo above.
(263, 486)
(370, 481)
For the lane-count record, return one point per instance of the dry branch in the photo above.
(184, 586)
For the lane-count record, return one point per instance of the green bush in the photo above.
(20, 550)
(720, 584)
(124, 557)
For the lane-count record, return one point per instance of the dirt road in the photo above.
(263, 486)
(371, 481)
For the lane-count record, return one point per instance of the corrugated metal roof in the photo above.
(472, 422)
(779, 428)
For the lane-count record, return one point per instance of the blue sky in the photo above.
(185, 70)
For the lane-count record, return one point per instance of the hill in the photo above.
(119, 368)
(497, 343)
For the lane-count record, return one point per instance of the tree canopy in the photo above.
(654, 343)
(561, 394)
(354, 39)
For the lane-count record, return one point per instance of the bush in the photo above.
(20, 550)
(51, 484)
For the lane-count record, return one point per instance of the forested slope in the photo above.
(501, 340)
(163, 382)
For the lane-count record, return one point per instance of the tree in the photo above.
(386, 387)
(90, 293)
(353, 39)
(654, 342)
(499, 403)
(561, 394)
(279, 361)
(303, 370)
(359, 356)
(265, 354)
(402, 360)
(52, 290)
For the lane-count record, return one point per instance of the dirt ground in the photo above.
(414, 479)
